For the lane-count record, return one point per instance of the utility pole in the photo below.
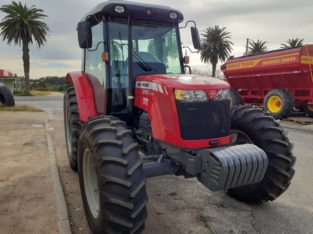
(247, 46)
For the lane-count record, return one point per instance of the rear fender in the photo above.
(87, 88)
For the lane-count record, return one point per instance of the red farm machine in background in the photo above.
(280, 80)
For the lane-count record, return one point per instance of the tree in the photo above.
(22, 26)
(257, 47)
(215, 46)
(292, 43)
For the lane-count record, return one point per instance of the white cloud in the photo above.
(272, 21)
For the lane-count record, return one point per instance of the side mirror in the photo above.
(195, 38)
(84, 35)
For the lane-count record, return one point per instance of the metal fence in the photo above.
(16, 84)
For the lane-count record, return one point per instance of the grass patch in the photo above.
(22, 95)
(34, 93)
(20, 107)
(40, 93)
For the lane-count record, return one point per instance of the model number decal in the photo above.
(146, 85)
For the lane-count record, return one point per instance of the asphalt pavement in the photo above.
(52, 105)
(177, 205)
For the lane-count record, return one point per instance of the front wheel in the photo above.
(72, 125)
(111, 177)
(250, 125)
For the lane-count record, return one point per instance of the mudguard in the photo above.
(87, 88)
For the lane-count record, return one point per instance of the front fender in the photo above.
(84, 89)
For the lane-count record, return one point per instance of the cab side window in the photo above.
(93, 59)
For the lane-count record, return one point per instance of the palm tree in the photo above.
(292, 43)
(215, 46)
(22, 25)
(257, 47)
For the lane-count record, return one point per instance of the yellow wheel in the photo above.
(274, 104)
(279, 103)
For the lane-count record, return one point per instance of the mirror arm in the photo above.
(97, 20)
(189, 68)
(191, 51)
(187, 22)
(99, 43)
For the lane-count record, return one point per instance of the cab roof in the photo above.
(139, 11)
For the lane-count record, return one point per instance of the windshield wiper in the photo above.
(140, 61)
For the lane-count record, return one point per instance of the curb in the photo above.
(62, 213)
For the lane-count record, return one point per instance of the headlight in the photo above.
(190, 95)
(222, 94)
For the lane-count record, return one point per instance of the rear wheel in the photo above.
(111, 177)
(279, 103)
(250, 125)
(72, 125)
(6, 97)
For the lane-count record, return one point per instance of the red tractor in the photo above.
(133, 113)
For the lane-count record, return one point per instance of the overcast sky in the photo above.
(274, 21)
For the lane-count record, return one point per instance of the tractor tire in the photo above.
(279, 103)
(252, 125)
(234, 96)
(72, 125)
(111, 177)
(6, 97)
(309, 110)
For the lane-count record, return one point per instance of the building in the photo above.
(5, 73)
(14, 83)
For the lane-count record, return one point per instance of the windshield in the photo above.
(157, 44)
(155, 51)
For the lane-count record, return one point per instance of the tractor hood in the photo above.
(186, 81)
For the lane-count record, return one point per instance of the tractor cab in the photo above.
(122, 40)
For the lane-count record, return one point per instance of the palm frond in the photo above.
(257, 47)
(23, 23)
(215, 45)
(292, 43)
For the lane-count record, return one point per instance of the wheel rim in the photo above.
(274, 104)
(91, 184)
(310, 107)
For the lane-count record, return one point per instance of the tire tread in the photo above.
(120, 176)
(278, 149)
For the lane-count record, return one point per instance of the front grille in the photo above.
(204, 120)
